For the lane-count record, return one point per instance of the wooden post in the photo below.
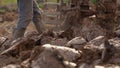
(0, 2)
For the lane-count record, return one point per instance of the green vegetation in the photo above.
(2, 10)
(56, 0)
(6, 2)
(52, 0)
(41, 5)
(94, 1)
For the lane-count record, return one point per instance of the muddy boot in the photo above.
(37, 18)
(38, 22)
(17, 33)
(39, 25)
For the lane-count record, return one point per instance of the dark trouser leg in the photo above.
(25, 10)
(37, 18)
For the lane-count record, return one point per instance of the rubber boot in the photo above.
(39, 25)
(17, 33)
(37, 18)
(38, 22)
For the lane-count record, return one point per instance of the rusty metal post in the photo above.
(118, 13)
(106, 15)
(85, 5)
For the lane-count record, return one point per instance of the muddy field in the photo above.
(84, 46)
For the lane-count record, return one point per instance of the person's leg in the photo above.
(25, 10)
(37, 18)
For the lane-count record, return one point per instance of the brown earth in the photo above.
(33, 51)
(91, 55)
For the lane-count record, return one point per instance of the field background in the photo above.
(9, 16)
(6, 2)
